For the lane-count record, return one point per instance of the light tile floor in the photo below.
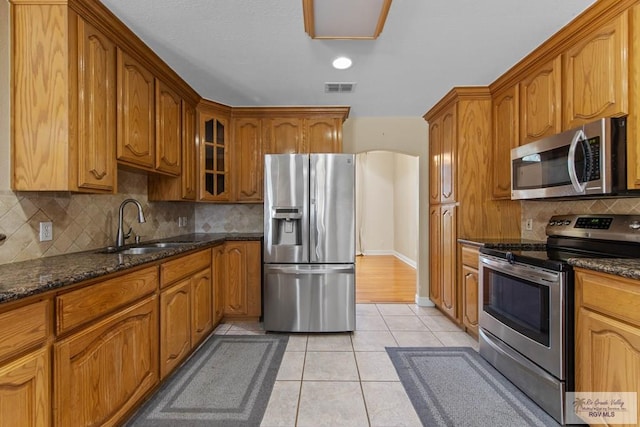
(348, 379)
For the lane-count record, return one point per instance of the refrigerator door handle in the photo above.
(315, 269)
(317, 206)
(313, 229)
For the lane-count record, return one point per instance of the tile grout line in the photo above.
(364, 400)
(304, 361)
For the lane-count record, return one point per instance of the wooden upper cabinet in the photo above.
(448, 156)
(323, 135)
(595, 76)
(505, 137)
(184, 187)
(215, 156)
(249, 159)
(435, 156)
(633, 125)
(136, 112)
(540, 102)
(96, 109)
(168, 129)
(285, 136)
(189, 175)
(63, 102)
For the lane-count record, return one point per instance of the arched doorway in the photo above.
(406, 135)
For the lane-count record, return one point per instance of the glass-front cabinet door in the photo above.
(214, 160)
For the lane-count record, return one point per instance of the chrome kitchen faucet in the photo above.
(121, 237)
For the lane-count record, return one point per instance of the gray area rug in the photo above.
(455, 386)
(227, 382)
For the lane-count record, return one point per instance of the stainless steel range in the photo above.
(527, 304)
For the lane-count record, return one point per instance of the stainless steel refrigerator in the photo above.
(309, 242)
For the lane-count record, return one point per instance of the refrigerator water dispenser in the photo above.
(287, 226)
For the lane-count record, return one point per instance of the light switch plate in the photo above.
(528, 224)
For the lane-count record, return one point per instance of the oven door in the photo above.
(524, 306)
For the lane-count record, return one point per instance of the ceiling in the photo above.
(256, 52)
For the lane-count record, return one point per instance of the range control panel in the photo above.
(605, 227)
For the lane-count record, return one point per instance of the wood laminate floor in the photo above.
(384, 278)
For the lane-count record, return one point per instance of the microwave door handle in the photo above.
(571, 162)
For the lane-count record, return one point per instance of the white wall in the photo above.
(374, 190)
(406, 135)
(387, 208)
(405, 202)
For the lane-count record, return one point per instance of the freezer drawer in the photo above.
(309, 298)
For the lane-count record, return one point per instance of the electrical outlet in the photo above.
(182, 221)
(528, 224)
(46, 231)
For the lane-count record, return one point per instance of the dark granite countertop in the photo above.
(629, 268)
(624, 267)
(25, 278)
(505, 244)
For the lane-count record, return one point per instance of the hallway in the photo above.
(383, 279)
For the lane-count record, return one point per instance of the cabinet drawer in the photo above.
(614, 296)
(470, 256)
(185, 266)
(86, 304)
(23, 327)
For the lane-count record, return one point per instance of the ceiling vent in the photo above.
(344, 87)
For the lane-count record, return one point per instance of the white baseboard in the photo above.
(378, 252)
(398, 255)
(424, 302)
(405, 259)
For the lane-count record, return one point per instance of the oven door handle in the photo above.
(571, 162)
(539, 276)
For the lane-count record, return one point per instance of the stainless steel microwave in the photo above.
(586, 161)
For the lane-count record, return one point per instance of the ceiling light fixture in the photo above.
(345, 19)
(342, 63)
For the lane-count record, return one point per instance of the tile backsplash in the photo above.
(216, 218)
(541, 211)
(83, 221)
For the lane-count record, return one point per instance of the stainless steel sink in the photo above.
(162, 245)
(143, 248)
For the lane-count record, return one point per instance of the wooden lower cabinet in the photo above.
(218, 265)
(185, 307)
(201, 306)
(442, 259)
(435, 285)
(469, 281)
(607, 343)
(25, 398)
(109, 343)
(237, 275)
(175, 326)
(101, 372)
(185, 318)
